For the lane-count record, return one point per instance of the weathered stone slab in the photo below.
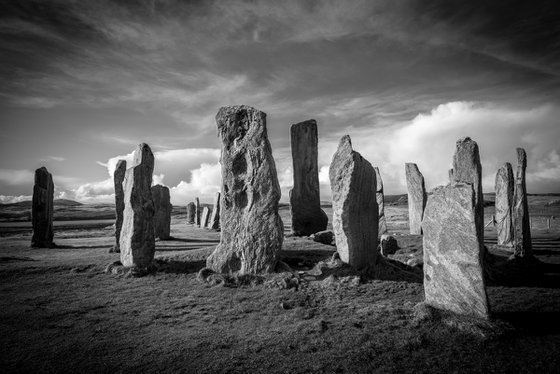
(118, 179)
(42, 210)
(214, 223)
(205, 217)
(467, 169)
(355, 210)
(162, 212)
(251, 228)
(305, 201)
(521, 223)
(380, 203)
(416, 197)
(191, 213)
(198, 212)
(453, 255)
(504, 187)
(137, 235)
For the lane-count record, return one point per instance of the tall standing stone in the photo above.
(205, 217)
(453, 255)
(416, 197)
(251, 228)
(504, 187)
(305, 202)
(198, 212)
(162, 212)
(137, 235)
(380, 203)
(191, 213)
(42, 210)
(214, 223)
(118, 179)
(355, 210)
(521, 223)
(467, 169)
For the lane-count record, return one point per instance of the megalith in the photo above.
(205, 217)
(137, 235)
(467, 169)
(162, 212)
(521, 223)
(453, 255)
(504, 187)
(305, 202)
(191, 213)
(198, 211)
(355, 210)
(251, 228)
(118, 179)
(42, 210)
(379, 196)
(214, 223)
(451, 174)
(416, 197)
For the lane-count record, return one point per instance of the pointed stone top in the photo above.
(143, 155)
(42, 177)
(345, 142)
(466, 142)
(521, 157)
(411, 166)
(121, 164)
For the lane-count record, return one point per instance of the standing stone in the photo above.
(118, 179)
(251, 228)
(453, 254)
(162, 212)
(305, 202)
(214, 223)
(521, 222)
(380, 203)
(504, 187)
(205, 217)
(355, 210)
(198, 212)
(191, 213)
(137, 234)
(416, 197)
(42, 210)
(451, 174)
(467, 169)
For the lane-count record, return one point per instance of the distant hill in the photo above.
(28, 203)
(66, 202)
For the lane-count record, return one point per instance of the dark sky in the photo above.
(83, 82)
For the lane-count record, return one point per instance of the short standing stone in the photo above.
(191, 213)
(388, 245)
(416, 197)
(162, 212)
(504, 187)
(42, 210)
(205, 217)
(198, 211)
(355, 210)
(380, 203)
(118, 179)
(453, 254)
(451, 174)
(137, 234)
(214, 223)
(467, 169)
(251, 228)
(521, 222)
(305, 202)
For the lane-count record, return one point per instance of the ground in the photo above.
(61, 312)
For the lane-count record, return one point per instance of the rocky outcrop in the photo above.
(416, 197)
(162, 213)
(42, 210)
(504, 187)
(355, 210)
(214, 223)
(380, 203)
(191, 213)
(251, 228)
(305, 202)
(521, 223)
(453, 255)
(137, 235)
(118, 179)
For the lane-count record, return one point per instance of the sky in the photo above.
(83, 82)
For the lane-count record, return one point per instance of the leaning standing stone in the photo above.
(416, 197)
(191, 213)
(118, 179)
(521, 223)
(137, 234)
(305, 203)
(453, 254)
(205, 217)
(162, 212)
(504, 187)
(355, 211)
(214, 223)
(42, 210)
(380, 203)
(252, 230)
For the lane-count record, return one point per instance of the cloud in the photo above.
(204, 183)
(13, 199)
